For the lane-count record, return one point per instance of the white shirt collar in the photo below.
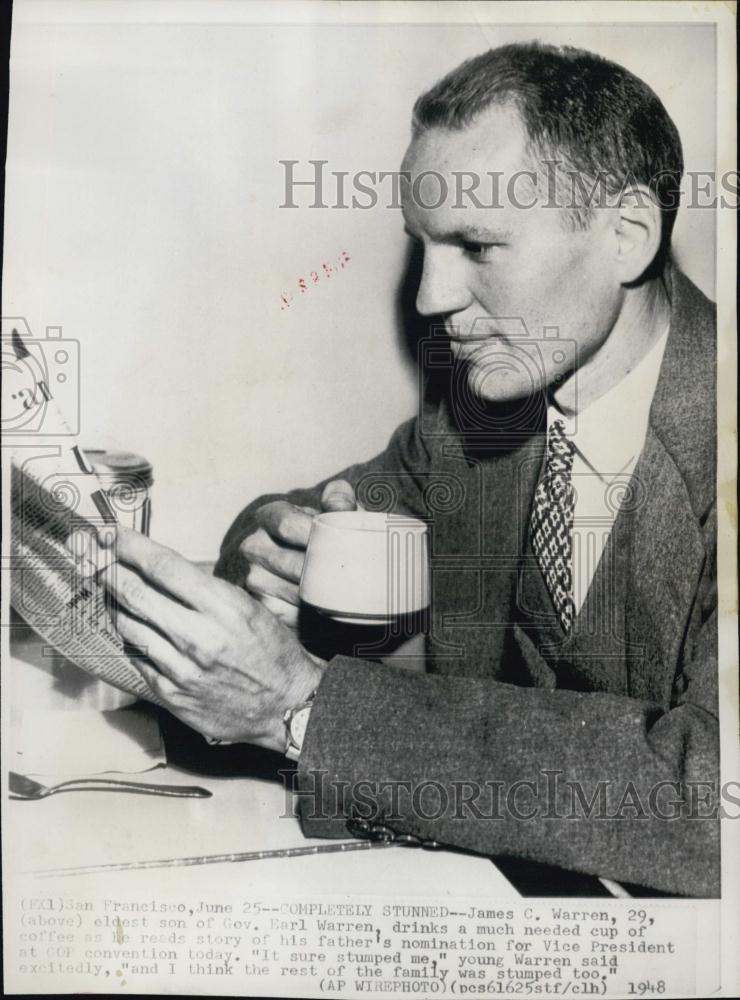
(610, 432)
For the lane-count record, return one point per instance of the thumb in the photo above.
(338, 495)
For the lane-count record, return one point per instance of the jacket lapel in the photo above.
(675, 478)
(666, 556)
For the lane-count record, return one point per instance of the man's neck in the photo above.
(642, 320)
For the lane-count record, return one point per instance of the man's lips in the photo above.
(473, 337)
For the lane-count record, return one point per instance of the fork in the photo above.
(21, 787)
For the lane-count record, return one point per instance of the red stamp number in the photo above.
(314, 278)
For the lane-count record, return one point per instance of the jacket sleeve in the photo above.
(599, 783)
(395, 479)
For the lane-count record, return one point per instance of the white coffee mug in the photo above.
(366, 567)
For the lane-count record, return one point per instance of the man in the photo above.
(568, 713)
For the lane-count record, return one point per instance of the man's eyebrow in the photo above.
(479, 234)
(468, 234)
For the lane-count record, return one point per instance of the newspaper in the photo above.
(60, 596)
(206, 205)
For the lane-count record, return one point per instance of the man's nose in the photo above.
(442, 288)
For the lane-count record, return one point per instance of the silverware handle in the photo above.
(136, 787)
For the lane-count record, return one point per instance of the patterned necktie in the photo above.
(551, 526)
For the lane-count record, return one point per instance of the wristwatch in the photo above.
(296, 722)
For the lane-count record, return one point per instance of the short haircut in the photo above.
(599, 120)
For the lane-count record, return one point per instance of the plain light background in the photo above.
(142, 216)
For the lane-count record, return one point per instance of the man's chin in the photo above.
(501, 384)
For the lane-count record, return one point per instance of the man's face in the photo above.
(500, 275)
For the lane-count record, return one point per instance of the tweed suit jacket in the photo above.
(602, 756)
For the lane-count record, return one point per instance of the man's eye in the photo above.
(479, 251)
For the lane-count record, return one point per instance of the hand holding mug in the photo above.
(275, 552)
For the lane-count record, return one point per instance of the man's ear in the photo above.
(638, 229)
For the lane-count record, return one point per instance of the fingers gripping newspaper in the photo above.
(55, 494)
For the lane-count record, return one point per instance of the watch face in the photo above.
(298, 725)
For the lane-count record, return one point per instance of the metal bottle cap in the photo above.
(121, 467)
